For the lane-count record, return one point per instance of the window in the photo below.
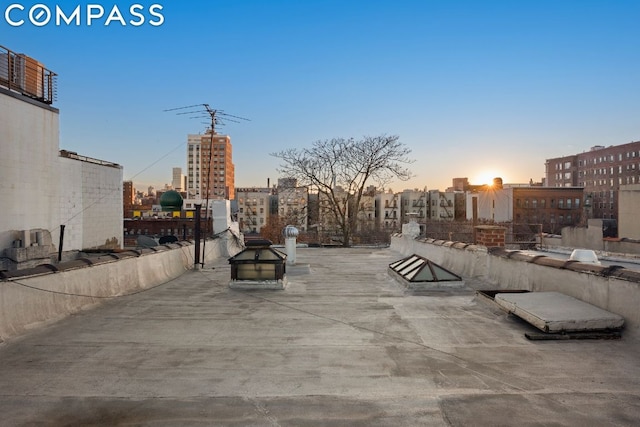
(568, 203)
(561, 203)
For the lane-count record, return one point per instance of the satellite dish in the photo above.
(146, 242)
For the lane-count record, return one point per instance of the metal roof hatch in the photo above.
(259, 266)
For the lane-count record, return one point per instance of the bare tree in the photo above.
(340, 170)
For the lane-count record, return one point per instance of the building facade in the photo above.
(601, 171)
(550, 207)
(442, 205)
(128, 198)
(365, 221)
(210, 169)
(389, 211)
(414, 205)
(629, 206)
(49, 192)
(293, 205)
(178, 180)
(253, 208)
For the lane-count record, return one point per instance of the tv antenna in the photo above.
(219, 118)
(204, 111)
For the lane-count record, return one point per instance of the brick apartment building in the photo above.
(601, 171)
(254, 207)
(553, 208)
(128, 198)
(210, 169)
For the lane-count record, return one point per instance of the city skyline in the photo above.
(475, 89)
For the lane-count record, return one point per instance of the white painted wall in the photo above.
(70, 204)
(90, 204)
(41, 190)
(628, 208)
(496, 205)
(28, 167)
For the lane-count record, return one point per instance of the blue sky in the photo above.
(475, 88)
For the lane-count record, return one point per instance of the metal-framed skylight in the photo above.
(415, 268)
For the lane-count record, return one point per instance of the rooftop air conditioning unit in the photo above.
(28, 75)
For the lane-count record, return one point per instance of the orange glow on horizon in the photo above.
(486, 178)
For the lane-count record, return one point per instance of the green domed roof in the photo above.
(171, 201)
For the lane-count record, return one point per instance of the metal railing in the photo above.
(25, 75)
(76, 156)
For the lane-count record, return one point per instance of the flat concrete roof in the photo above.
(343, 345)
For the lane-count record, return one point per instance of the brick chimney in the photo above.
(490, 236)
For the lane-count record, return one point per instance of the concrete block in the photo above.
(556, 312)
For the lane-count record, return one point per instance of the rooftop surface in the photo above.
(343, 345)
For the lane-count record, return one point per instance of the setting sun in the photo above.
(486, 178)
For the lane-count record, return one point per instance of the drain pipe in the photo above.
(60, 243)
(196, 257)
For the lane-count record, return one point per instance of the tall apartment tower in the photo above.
(210, 169)
(601, 171)
(178, 181)
(128, 197)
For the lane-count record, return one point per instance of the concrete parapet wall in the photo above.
(613, 289)
(461, 258)
(32, 297)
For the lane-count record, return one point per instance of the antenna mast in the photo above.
(216, 117)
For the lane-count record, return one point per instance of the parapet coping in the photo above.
(614, 271)
(87, 262)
